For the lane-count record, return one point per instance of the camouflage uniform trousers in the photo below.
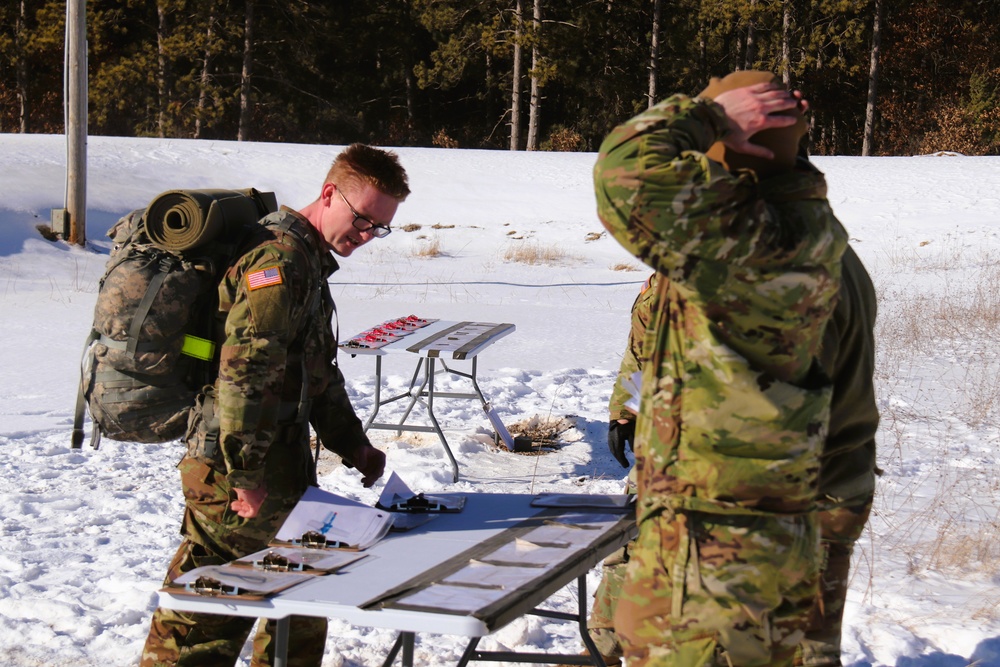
(716, 589)
(840, 528)
(601, 624)
(214, 534)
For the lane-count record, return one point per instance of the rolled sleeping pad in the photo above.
(179, 220)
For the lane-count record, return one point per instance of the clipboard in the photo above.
(235, 582)
(298, 559)
(323, 520)
(315, 540)
(420, 504)
(397, 497)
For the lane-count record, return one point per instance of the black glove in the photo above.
(618, 436)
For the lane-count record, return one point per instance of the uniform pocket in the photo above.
(203, 429)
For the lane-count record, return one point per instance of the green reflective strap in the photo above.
(199, 348)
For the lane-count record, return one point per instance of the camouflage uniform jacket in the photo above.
(277, 362)
(633, 360)
(847, 470)
(735, 407)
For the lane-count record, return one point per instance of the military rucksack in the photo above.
(151, 346)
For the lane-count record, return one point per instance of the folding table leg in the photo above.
(378, 392)
(405, 641)
(593, 658)
(414, 395)
(281, 642)
(434, 421)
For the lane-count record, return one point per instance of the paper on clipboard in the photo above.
(633, 385)
(344, 523)
(398, 497)
(293, 559)
(226, 580)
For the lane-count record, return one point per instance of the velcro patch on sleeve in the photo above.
(264, 278)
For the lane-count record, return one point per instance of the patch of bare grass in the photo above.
(427, 247)
(938, 384)
(535, 253)
(543, 432)
(621, 266)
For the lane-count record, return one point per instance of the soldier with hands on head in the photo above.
(710, 192)
(847, 465)
(248, 460)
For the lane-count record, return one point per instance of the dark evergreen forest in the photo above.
(884, 77)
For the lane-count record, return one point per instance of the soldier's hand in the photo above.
(621, 433)
(248, 501)
(370, 462)
(762, 106)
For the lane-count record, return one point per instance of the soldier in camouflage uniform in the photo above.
(847, 465)
(621, 433)
(248, 459)
(735, 405)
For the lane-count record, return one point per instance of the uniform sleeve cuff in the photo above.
(714, 116)
(245, 479)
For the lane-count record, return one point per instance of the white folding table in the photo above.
(435, 343)
(384, 588)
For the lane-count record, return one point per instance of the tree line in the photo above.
(884, 77)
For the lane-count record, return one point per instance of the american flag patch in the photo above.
(264, 278)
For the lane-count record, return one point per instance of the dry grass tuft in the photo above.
(427, 247)
(412, 227)
(543, 432)
(621, 266)
(937, 381)
(47, 232)
(534, 253)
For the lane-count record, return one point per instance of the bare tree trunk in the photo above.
(751, 51)
(873, 76)
(786, 50)
(702, 51)
(206, 77)
(161, 70)
(654, 55)
(243, 133)
(22, 69)
(534, 106)
(411, 96)
(515, 96)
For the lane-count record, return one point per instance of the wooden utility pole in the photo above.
(76, 120)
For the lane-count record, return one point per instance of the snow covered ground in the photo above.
(86, 535)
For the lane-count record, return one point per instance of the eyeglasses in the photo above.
(363, 224)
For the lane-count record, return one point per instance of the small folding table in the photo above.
(434, 343)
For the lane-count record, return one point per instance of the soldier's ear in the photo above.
(328, 192)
